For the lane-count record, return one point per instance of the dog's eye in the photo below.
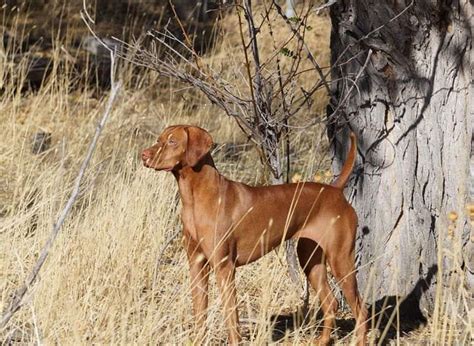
(171, 141)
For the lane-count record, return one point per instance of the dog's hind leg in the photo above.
(312, 261)
(343, 268)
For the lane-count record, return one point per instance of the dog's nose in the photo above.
(146, 154)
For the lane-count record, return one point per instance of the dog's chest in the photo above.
(204, 220)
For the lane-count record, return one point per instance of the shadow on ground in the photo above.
(390, 316)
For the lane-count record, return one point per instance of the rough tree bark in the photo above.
(412, 111)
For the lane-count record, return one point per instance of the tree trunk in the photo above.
(412, 112)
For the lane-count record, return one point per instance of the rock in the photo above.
(41, 142)
(38, 71)
(96, 48)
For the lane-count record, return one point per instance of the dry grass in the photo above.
(102, 282)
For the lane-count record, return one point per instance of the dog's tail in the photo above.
(348, 165)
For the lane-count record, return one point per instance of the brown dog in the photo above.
(227, 224)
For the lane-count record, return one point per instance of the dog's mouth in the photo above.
(147, 163)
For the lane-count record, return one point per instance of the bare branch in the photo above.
(185, 34)
(311, 57)
(326, 5)
(247, 62)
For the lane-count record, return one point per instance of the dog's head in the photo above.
(177, 147)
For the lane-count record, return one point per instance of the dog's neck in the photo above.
(193, 180)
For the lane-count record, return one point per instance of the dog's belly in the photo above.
(246, 255)
(256, 236)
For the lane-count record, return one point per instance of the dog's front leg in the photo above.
(225, 277)
(199, 274)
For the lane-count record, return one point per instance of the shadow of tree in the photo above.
(406, 310)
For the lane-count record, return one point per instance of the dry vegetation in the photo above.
(103, 282)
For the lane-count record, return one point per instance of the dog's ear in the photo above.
(199, 144)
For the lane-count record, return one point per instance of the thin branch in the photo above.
(326, 5)
(185, 34)
(311, 57)
(247, 63)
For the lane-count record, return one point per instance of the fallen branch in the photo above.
(17, 299)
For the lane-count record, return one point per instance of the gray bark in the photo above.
(412, 114)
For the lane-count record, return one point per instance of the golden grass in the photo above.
(101, 282)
